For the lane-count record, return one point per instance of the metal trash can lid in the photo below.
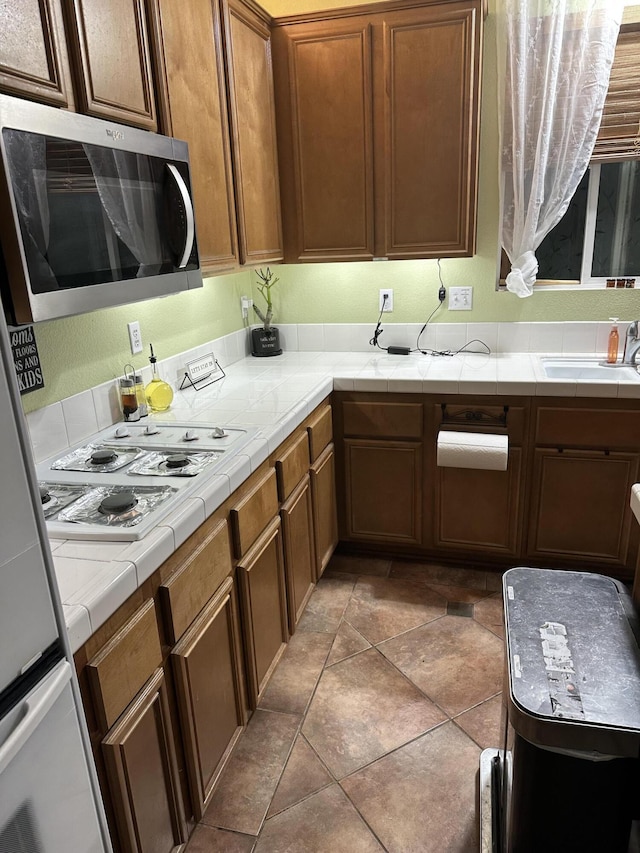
(573, 661)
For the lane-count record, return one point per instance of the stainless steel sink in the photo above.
(588, 370)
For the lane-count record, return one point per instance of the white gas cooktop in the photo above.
(121, 482)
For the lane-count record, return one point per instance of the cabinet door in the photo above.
(580, 505)
(143, 776)
(383, 490)
(209, 678)
(325, 518)
(255, 154)
(324, 111)
(194, 108)
(479, 510)
(264, 608)
(33, 54)
(299, 549)
(426, 112)
(113, 58)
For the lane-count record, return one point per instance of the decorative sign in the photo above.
(200, 369)
(26, 359)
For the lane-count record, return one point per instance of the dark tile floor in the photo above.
(368, 736)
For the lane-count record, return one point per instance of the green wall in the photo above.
(80, 352)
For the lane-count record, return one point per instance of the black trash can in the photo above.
(570, 768)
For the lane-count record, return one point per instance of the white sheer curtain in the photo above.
(554, 61)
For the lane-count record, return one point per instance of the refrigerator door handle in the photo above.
(34, 710)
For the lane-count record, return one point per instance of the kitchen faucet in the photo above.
(631, 344)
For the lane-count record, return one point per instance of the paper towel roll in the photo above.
(473, 450)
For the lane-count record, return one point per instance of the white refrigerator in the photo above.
(49, 797)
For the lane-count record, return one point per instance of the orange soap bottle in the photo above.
(614, 342)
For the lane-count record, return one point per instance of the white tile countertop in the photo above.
(276, 395)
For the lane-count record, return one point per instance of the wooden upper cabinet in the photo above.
(113, 60)
(253, 131)
(33, 54)
(324, 115)
(427, 124)
(378, 128)
(193, 107)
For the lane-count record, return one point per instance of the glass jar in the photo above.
(128, 399)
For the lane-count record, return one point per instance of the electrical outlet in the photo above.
(460, 298)
(135, 337)
(247, 304)
(386, 304)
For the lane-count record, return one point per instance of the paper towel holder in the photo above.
(474, 416)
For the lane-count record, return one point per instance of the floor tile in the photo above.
(249, 780)
(462, 594)
(490, 613)
(208, 839)
(494, 581)
(326, 605)
(362, 708)
(304, 775)
(455, 661)
(431, 573)
(359, 565)
(422, 798)
(323, 823)
(381, 608)
(484, 723)
(347, 643)
(292, 683)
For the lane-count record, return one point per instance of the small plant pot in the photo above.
(265, 342)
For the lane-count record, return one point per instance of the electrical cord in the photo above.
(378, 330)
(442, 294)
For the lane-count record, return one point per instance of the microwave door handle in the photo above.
(188, 210)
(34, 710)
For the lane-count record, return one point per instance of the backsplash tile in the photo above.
(54, 428)
(579, 337)
(79, 416)
(48, 431)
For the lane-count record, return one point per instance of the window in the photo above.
(598, 239)
(597, 242)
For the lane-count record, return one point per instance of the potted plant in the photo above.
(266, 340)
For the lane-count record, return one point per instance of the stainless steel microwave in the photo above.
(92, 214)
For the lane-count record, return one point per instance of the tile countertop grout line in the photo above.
(491, 375)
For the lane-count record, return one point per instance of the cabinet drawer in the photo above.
(388, 420)
(121, 668)
(252, 514)
(474, 416)
(582, 427)
(292, 466)
(320, 432)
(187, 591)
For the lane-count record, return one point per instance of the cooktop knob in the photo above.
(190, 435)
(150, 429)
(217, 432)
(121, 432)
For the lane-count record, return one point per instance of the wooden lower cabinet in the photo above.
(580, 505)
(383, 490)
(142, 774)
(479, 510)
(264, 608)
(325, 515)
(299, 551)
(208, 673)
